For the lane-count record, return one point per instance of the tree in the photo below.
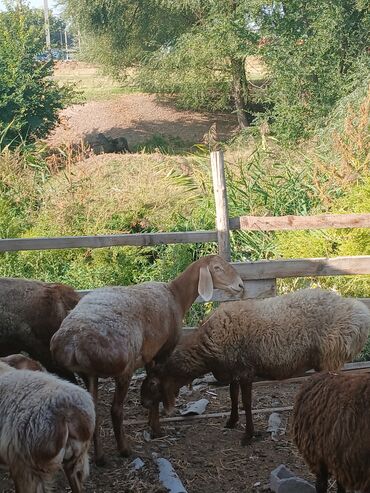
(317, 51)
(29, 99)
(194, 48)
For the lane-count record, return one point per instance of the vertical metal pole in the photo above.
(66, 41)
(47, 25)
(79, 40)
(222, 212)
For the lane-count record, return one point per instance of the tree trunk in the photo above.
(240, 91)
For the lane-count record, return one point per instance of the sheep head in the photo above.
(158, 387)
(216, 273)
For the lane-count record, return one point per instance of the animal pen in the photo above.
(259, 277)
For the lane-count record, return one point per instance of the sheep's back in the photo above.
(38, 415)
(286, 335)
(130, 324)
(331, 426)
(31, 309)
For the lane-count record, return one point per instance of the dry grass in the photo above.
(94, 85)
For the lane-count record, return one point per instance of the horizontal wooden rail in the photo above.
(281, 223)
(361, 367)
(102, 241)
(307, 267)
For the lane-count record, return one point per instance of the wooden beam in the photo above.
(266, 410)
(281, 223)
(102, 241)
(307, 267)
(360, 367)
(222, 214)
(252, 289)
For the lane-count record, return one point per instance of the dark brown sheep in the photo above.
(30, 313)
(331, 428)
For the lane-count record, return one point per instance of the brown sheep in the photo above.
(21, 362)
(331, 428)
(115, 330)
(30, 313)
(274, 338)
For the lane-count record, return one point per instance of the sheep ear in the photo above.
(205, 284)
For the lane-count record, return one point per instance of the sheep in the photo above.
(331, 426)
(274, 338)
(21, 362)
(45, 424)
(30, 312)
(115, 330)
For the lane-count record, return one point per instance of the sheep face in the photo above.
(156, 389)
(219, 274)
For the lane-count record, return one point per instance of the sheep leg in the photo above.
(322, 480)
(28, 483)
(74, 479)
(246, 388)
(234, 396)
(99, 455)
(122, 384)
(154, 424)
(340, 488)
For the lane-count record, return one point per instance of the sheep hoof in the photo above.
(246, 440)
(231, 423)
(100, 461)
(156, 434)
(125, 451)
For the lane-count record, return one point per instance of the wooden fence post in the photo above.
(222, 212)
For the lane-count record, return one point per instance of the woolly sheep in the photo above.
(274, 338)
(30, 313)
(331, 428)
(45, 424)
(115, 330)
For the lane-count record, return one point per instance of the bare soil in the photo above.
(137, 117)
(207, 457)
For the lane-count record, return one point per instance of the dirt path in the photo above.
(207, 457)
(138, 117)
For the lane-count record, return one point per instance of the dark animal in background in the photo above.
(105, 144)
(331, 428)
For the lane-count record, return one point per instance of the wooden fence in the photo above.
(259, 277)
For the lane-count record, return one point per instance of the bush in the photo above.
(29, 98)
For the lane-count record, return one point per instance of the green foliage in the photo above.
(317, 53)
(29, 99)
(333, 243)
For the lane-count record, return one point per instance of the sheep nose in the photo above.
(241, 286)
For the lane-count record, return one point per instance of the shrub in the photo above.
(29, 98)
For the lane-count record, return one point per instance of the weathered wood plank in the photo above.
(266, 410)
(222, 215)
(268, 269)
(102, 241)
(252, 289)
(281, 223)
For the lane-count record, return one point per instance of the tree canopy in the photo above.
(316, 51)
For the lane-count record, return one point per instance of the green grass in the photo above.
(93, 85)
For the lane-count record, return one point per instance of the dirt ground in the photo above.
(137, 117)
(207, 457)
